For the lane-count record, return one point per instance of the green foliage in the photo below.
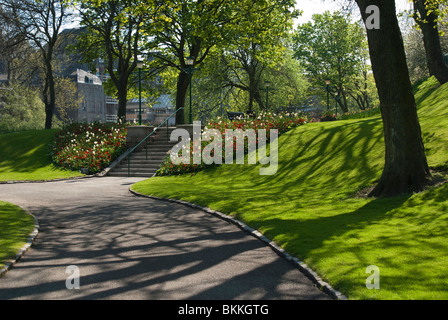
(437, 7)
(67, 98)
(204, 28)
(117, 38)
(222, 84)
(20, 109)
(334, 48)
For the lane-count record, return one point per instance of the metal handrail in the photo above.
(148, 136)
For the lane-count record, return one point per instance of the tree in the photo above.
(67, 98)
(194, 28)
(20, 108)
(406, 168)
(332, 47)
(222, 84)
(40, 22)
(426, 14)
(115, 34)
(415, 54)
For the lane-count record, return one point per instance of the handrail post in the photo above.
(167, 132)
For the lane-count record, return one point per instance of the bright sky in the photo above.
(310, 7)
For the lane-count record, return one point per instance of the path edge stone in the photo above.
(303, 267)
(31, 238)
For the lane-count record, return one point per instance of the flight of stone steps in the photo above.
(142, 165)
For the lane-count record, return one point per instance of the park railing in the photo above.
(145, 140)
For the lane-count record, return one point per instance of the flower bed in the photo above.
(88, 147)
(328, 116)
(267, 121)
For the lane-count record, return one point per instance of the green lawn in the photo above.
(311, 208)
(23, 156)
(15, 227)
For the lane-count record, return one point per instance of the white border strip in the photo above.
(313, 276)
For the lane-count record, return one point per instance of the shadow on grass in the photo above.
(25, 151)
(336, 157)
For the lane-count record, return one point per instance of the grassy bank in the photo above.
(24, 156)
(15, 227)
(312, 208)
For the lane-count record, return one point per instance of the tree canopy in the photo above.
(333, 47)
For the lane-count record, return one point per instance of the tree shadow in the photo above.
(26, 152)
(153, 251)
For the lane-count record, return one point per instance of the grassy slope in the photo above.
(308, 207)
(23, 156)
(15, 227)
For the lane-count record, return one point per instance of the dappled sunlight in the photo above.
(313, 206)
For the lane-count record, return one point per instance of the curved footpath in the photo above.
(129, 247)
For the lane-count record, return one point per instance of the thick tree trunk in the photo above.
(434, 55)
(122, 95)
(183, 81)
(406, 167)
(122, 103)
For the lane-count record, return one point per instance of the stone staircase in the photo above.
(142, 166)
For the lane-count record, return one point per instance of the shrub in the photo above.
(328, 116)
(89, 147)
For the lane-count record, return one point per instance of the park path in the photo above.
(129, 247)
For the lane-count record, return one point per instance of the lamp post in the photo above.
(139, 66)
(190, 70)
(268, 85)
(336, 97)
(190, 62)
(327, 82)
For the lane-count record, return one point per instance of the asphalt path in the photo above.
(128, 247)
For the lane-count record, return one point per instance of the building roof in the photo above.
(86, 77)
(164, 101)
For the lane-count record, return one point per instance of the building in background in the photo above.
(93, 105)
(154, 114)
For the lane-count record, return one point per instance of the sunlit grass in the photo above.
(15, 228)
(311, 209)
(24, 156)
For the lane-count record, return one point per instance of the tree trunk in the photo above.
(121, 84)
(343, 101)
(261, 101)
(183, 81)
(406, 168)
(434, 55)
(122, 96)
(49, 95)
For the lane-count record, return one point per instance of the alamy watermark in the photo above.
(233, 144)
(373, 20)
(373, 281)
(73, 280)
